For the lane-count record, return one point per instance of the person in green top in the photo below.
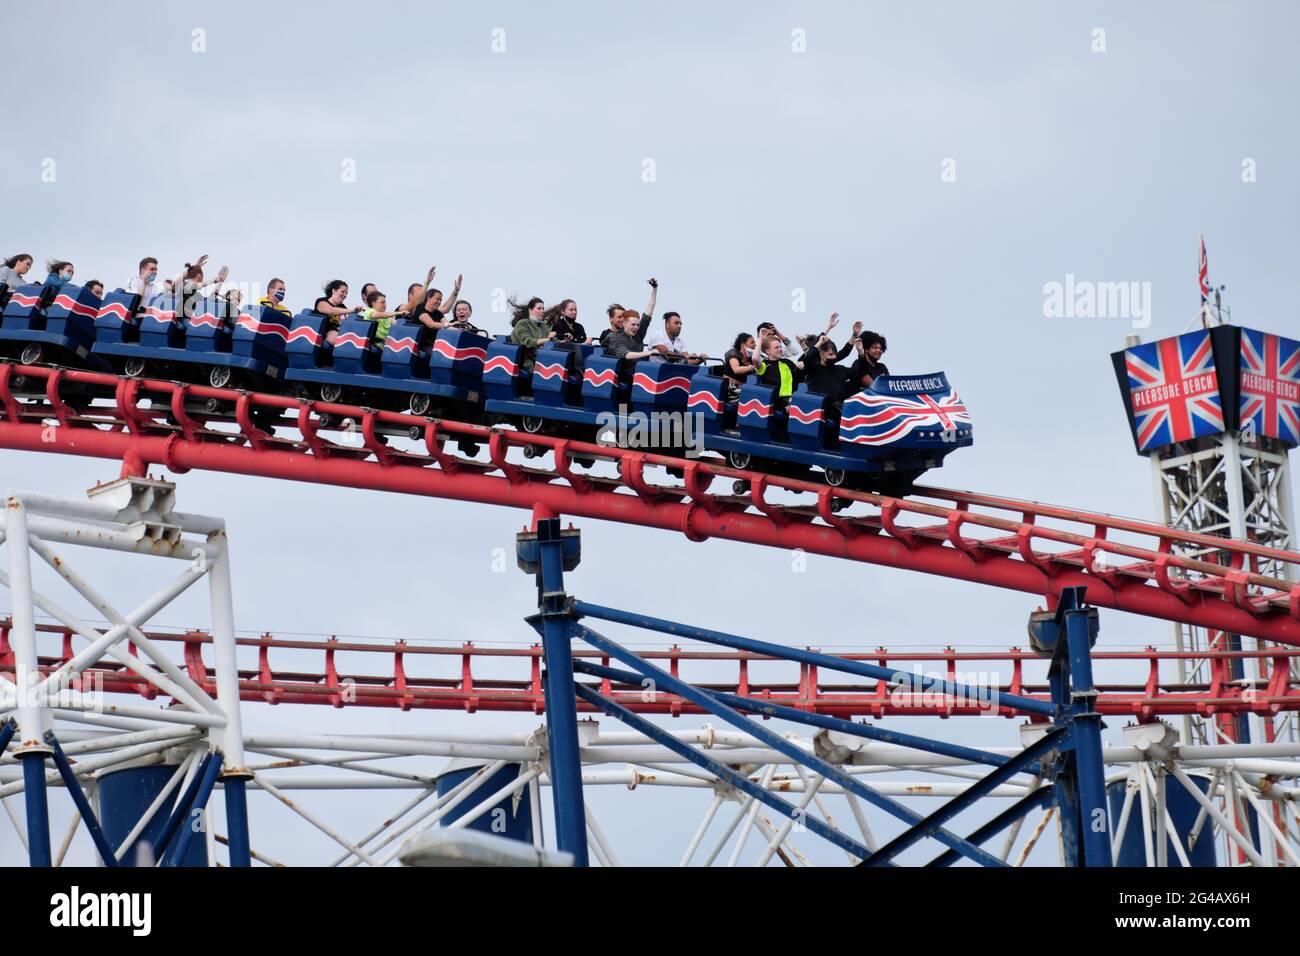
(529, 330)
(376, 311)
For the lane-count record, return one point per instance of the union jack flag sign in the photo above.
(872, 418)
(1174, 389)
(1270, 386)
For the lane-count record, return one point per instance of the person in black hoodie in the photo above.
(821, 372)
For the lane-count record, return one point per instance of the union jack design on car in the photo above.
(876, 418)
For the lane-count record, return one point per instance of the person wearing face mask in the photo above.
(61, 272)
(563, 318)
(146, 284)
(274, 298)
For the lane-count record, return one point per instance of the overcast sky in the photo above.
(925, 168)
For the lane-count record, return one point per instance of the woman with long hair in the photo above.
(563, 318)
(61, 272)
(529, 331)
(14, 269)
(331, 306)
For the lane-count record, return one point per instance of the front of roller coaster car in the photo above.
(914, 418)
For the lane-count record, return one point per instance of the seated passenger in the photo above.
(868, 366)
(529, 331)
(234, 299)
(331, 306)
(274, 298)
(431, 311)
(669, 345)
(191, 282)
(415, 291)
(96, 288)
(787, 349)
(61, 273)
(615, 314)
(14, 269)
(461, 318)
(736, 364)
(563, 318)
(820, 369)
(628, 343)
(191, 286)
(771, 368)
(145, 283)
(377, 312)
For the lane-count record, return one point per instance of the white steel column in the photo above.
(231, 737)
(27, 674)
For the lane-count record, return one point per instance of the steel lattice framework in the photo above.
(1079, 558)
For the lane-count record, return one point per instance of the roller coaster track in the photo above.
(1128, 565)
(443, 677)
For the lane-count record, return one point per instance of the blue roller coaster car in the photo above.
(881, 438)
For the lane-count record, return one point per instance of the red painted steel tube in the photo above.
(690, 519)
(1224, 606)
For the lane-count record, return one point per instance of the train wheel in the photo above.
(135, 367)
(585, 462)
(532, 424)
(212, 405)
(33, 353)
(420, 403)
(738, 459)
(220, 376)
(331, 392)
(532, 451)
(834, 476)
(469, 449)
(740, 487)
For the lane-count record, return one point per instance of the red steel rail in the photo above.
(1141, 694)
(1024, 546)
